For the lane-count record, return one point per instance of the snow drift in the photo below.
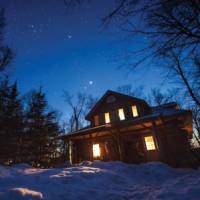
(99, 180)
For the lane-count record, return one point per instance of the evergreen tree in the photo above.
(41, 130)
(11, 122)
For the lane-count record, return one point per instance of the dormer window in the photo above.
(121, 114)
(134, 111)
(107, 117)
(96, 120)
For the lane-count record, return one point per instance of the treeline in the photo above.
(28, 128)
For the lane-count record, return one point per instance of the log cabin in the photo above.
(127, 129)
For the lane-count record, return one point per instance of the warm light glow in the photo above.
(96, 150)
(149, 141)
(134, 111)
(96, 120)
(121, 114)
(107, 118)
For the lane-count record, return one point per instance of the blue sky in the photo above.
(64, 49)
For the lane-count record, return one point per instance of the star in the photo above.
(69, 36)
(91, 82)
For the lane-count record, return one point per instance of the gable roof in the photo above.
(108, 93)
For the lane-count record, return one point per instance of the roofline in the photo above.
(112, 92)
(133, 121)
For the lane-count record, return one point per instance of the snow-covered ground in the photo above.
(99, 180)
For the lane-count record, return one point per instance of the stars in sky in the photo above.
(66, 51)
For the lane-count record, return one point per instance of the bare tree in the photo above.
(6, 54)
(185, 70)
(169, 26)
(79, 105)
(129, 90)
(158, 98)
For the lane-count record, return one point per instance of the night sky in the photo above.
(64, 49)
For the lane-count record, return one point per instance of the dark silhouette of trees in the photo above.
(11, 122)
(79, 105)
(28, 131)
(41, 131)
(6, 55)
(173, 33)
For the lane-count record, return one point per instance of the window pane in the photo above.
(134, 111)
(121, 114)
(96, 150)
(149, 141)
(107, 118)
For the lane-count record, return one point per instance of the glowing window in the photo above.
(149, 141)
(107, 118)
(96, 120)
(134, 111)
(96, 150)
(121, 114)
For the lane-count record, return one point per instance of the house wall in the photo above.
(128, 147)
(113, 107)
(174, 144)
(171, 142)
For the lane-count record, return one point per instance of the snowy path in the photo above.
(98, 181)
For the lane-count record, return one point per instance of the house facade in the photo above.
(126, 128)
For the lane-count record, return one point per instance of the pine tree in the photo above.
(11, 122)
(4, 95)
(41, 130)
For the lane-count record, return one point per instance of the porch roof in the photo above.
(135, 123)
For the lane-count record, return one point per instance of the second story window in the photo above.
(134, 111)
(121, 114)
(96, 120)
(107, 117)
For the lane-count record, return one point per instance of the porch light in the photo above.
(96, 150)
(150, 144)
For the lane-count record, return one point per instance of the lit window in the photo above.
(107, 118)
(134, 111)
(149, 141)
(96, 120)
(96, 150)
(121, 114)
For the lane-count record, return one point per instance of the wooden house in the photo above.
(126, 128)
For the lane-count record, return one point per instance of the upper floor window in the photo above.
(121, 114)
(134, 111)
(150, 144)
(107, 117)
(96, 120)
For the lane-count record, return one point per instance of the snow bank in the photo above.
(99, 180)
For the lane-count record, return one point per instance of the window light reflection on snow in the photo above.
(96, 150)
